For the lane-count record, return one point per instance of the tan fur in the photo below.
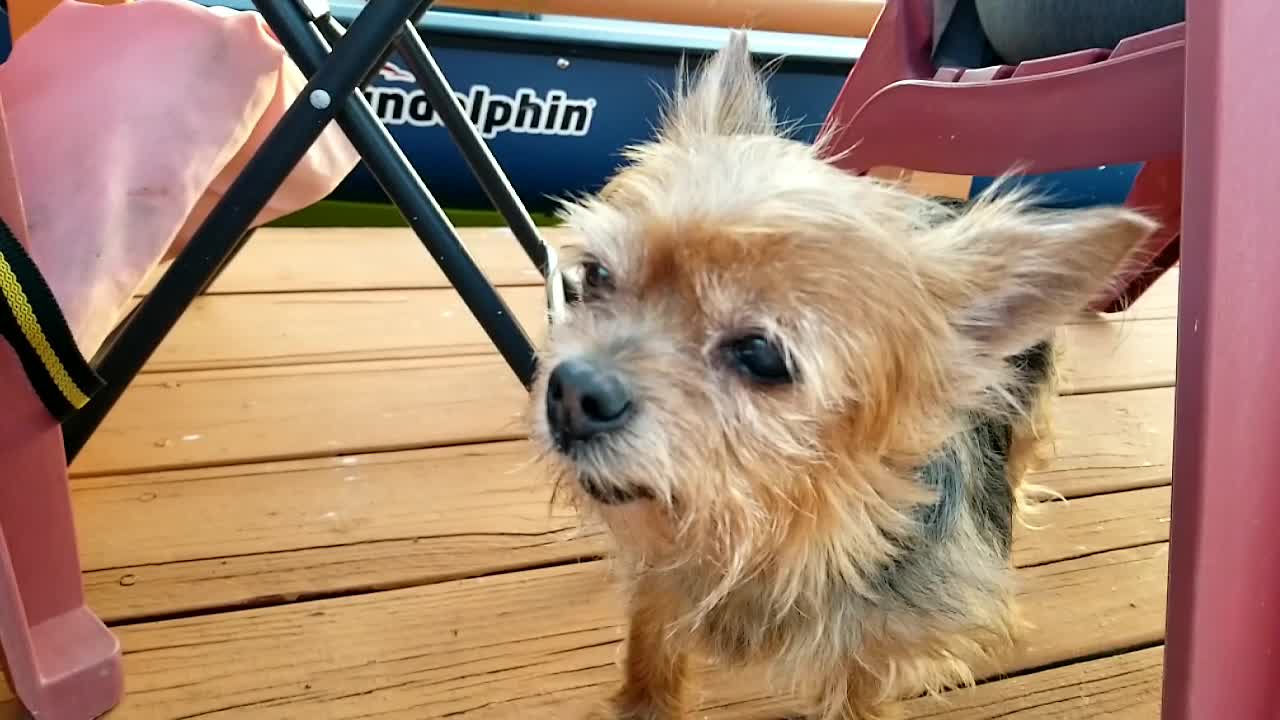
(774, 511)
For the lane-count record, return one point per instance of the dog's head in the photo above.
(765, 346)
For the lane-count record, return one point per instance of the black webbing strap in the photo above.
(31, 322)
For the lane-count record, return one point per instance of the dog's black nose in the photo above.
(585, 399)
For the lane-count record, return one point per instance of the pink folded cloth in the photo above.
(125, 124)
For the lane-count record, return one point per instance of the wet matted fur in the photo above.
(847, 519)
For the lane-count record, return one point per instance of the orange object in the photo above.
(24, 14)
(845, 18)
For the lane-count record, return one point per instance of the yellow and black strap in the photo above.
(32, 323)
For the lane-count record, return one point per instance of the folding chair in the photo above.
(338, 62)
(1221, 658)
(63, 662)
(59, 657)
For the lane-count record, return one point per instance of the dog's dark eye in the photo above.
(596, 276)
(759, 359)
(592, 281)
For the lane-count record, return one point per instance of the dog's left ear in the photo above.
(727, 97)
(1012, 275)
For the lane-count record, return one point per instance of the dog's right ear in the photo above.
(1010, 274)
(728, 96)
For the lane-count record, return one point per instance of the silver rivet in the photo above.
(563, 63)
(320, 99)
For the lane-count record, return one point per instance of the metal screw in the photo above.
(320, 99)
(563, 63)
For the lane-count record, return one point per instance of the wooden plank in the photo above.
(443, 494)
(202, 541)
(1120, 687)
(1098, 523)
(217, 538)
(229, 536)
(316, 259)
(1124, 355)
(205, 540)
(257, 330)
(1159, 302)
(1111, 441)
(233, 416)
(333, 259)
(534, 644)
(224, 417)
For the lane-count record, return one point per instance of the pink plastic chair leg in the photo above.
(1223, 653)
(62, 661)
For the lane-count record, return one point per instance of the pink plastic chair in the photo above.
(1079, 110)
(1222, 658)
(62, 661)
(1222, 653)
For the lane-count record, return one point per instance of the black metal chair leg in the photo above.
(476, 151)
(403, 185)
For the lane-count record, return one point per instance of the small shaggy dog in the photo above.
(803, 402)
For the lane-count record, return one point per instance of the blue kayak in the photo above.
(557, 99)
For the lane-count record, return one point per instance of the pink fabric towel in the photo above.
(125, 124)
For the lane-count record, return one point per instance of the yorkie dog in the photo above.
(803, 402)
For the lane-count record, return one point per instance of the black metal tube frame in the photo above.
(413, 50)
(402, 184)
(331, 93)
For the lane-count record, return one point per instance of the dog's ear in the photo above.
(1010, 275)
(728, 96)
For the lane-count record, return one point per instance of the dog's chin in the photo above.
(584, 462)
(610, 493)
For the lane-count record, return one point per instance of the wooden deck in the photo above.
(313, 505)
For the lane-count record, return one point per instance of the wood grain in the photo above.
(283, 260)
(256, 534)
(413, 537)
(257, 330)
(247, 534)
(260, 330)
(1158, 302)
(225, 417)
(534, 644)
(1110, 441)
(265, 534)
(1106, 443)
(1120, 687)
(1122, 355)
(1098, 523)
(238, 415)
(326, 259)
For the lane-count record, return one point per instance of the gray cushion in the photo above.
(1022, 30)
